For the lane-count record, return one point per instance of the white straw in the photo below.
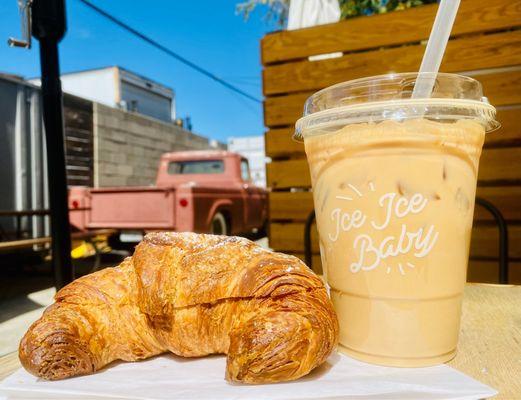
(436, 45)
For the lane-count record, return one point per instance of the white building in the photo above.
(251, 147)
(118, 87)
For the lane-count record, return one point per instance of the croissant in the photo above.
(193, 295)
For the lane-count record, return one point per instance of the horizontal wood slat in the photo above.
(478, 270)
(506, 198)
(78, 151)
(77, 112)
(478, 52)
(79, 135)
(488, 271)
(501, 88)
(280, 144)
(285, 110)
(393, 28)
(497, 165)
(296, 206)
(510, 131)
(484, 243)
(288, 174)
(76, 180)
(502, 164)
(73, 160)
(289, 237)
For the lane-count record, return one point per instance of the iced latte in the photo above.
(394, 183)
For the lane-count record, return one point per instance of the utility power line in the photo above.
(166, 50)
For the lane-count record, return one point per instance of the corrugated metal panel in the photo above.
(23, 166)
(22, 158)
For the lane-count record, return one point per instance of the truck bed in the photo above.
(132, 208)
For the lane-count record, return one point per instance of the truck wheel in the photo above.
(219, 226)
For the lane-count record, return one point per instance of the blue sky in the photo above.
(206, 32)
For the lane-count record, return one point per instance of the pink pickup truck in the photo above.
(199, 191)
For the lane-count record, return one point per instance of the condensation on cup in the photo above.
(394, 182)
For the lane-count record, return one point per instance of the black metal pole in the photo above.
(503, 238)
(308, 256)
(48, 26)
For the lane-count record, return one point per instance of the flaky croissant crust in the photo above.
(193, 295)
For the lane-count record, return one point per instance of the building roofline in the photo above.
(17, 79)
(80, 71)
(110, 67)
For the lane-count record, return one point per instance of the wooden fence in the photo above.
(79, 138)
(486, 44)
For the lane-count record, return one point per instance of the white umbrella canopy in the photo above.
(306, 13)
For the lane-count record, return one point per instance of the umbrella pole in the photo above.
(48, 27)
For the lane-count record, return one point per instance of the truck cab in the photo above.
(216, 188)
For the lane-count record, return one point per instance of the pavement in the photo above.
(26, 289)
(24, 310)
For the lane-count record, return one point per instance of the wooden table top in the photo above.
(489, 346)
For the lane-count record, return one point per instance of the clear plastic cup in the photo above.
(394, 182)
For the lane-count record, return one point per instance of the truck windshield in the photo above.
(196, 167)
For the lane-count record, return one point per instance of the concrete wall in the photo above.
(127, 146)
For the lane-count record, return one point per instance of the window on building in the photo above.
(133, 105)
(196, 167)
(245, 170)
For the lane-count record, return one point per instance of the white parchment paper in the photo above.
(170, 377)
